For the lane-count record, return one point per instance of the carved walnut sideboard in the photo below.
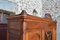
(28, 27)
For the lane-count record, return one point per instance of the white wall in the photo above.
(58, 28)
(29, 6)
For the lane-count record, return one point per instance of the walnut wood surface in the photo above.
(27, 27)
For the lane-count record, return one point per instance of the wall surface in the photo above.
(41, 6)
(6, 5)
(58, 28)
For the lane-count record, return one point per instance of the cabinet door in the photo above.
(32, 36)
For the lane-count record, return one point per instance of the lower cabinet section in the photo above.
(41, 35)
(31, 35)
(14, 37)
(14, 34)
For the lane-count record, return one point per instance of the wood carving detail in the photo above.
(48, 35)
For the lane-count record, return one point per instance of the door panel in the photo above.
(32, 36)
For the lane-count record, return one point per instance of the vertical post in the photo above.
(26, 36)
(54, 30)
(24, 32)
(42, 34)
(54, 34)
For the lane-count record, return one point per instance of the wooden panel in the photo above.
(15, 30)
(15, 25)
(32, 36)
(36, 25)
(14, 34)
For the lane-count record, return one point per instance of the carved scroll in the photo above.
(48, 35)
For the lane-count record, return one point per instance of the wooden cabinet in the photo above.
(27, 27)
(3, 31)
